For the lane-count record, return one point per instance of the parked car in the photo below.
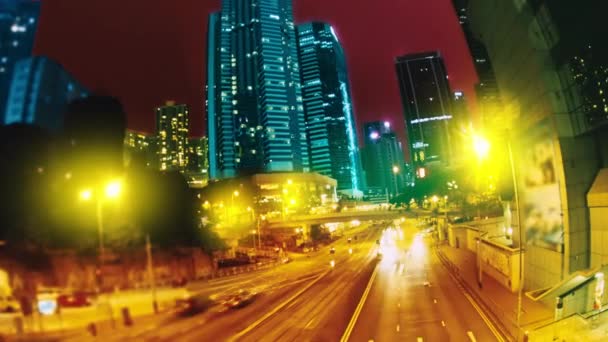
(9, 304)
(74, 299)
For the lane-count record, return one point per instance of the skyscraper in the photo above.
(255, 110)
(172, 136)
(18, 23)
(426, 98)
(383, 158)
(330, 121)
(486, 89)
(40, 92)
(197, 155)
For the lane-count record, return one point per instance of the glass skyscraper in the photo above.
(426, 98)
(40, 92)
(383, 158)
(486, 89)
(18, 23)
(330, 121)
(254, 102)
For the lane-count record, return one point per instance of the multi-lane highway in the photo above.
(412, 297)
(407, 295)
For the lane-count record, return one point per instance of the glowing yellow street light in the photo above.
(113, 189)
(236, 193)
(481, 146)
(435, 199)
(86, 194)
(289, 181)
(292, 201)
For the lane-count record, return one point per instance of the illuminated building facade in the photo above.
(383, 160)
(331, 127)
(172, 136)
(255, 111)
(426, 99)
(40, 92)
(143, 146)
(18, 24)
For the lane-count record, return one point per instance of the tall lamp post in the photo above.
(482, 149)
(395, 172)
(112, 191)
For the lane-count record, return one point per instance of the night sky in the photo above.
(145, 52)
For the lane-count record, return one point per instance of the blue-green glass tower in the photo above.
(330, 121)
(255, 113)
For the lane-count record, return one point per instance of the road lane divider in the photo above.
(471, 336)
(353, 320)
(276, 309)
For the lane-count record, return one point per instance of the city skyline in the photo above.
(141, 90)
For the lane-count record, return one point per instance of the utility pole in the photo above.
(151, 275)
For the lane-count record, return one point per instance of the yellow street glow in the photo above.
(481, 146)
(86, 194)
(113, 189)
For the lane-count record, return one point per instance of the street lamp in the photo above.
(482, 149)
(112, 191)
(395, 172)
(481, 146)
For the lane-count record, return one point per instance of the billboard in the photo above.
(540, 194)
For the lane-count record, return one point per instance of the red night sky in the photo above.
(145, 52)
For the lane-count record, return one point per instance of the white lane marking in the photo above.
(398, 328)
(482, 314)
(276, 309)
(471, 336)
(419, 339)
(401, 268)
(353, 320)
(435, 301)
(443, 324)
(309, 323)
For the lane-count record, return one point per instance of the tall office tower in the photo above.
(18, 23)
(426, 98)
(383, 158)
(330, 122)
(486, 90)
(172, 136)
(255, 111)
(40, 92)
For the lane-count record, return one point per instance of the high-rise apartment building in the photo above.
(198, 151)
(40, 92)
(255, 111)
(172, 136)
(330, 120)
(426, 98)
(18, 23)
(140, 149)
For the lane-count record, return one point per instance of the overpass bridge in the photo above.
(295, 221)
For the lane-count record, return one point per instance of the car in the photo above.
(286, 260)
(74, 299)
(193, 304)
(332, 251)
(9, 304)
(241, 299)
(350, 240)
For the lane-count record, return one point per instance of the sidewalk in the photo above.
(499, 300)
